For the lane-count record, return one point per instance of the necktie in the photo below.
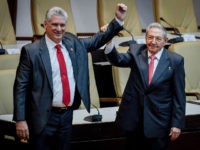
(151, 67)
(64, 77)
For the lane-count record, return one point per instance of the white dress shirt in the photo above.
(57, 84)
(156, 60)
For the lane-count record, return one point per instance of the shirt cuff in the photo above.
(119, 21)
(109, 47)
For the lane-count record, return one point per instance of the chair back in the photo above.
(8, 61)
(191, 52)
(7, 78)
(120, 76)
(38, 12)
(7, 33)
(178, 13)
(106, 9)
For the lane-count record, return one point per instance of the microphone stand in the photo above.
(128, 43)
(176, 32)
(94, 118)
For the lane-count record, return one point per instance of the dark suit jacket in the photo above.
(33, 88)
(156, 107)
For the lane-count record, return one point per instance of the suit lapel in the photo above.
(142, 60)
(143, 65)
(72, 54)
(44, 53)
(162, 66)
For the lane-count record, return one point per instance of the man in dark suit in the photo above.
(41, 115)
(152, 109)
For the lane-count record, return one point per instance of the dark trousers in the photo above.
(137, 141)
(56, 134)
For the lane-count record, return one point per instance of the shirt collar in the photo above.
(157, 55)
(51, 44)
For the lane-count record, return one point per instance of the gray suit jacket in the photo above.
(33, 88)
(156, 107)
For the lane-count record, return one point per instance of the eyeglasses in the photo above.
(156, 38)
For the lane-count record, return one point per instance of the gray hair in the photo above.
(158, 26)
(56, 11)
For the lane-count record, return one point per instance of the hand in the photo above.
(22, 130)
(120, 12)
(174, 133)
(104, 28)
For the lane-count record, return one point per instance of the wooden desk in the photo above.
(105, 135)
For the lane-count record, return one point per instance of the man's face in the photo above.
(155, 40)
(55, 28)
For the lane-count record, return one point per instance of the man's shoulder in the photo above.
(29, 45)
(34, 46)
(137, 48)
(175, 57)
(69, 35)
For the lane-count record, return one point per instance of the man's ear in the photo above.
(44, 25)
(166, 39)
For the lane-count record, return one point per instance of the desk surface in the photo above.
(14, 49)
(108, 114)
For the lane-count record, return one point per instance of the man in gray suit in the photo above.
(152, 109)
(41, 116)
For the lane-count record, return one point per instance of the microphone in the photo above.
(94, 118)
(2, 50)
(176, 32)
(128, 43)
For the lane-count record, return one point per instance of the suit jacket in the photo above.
(33, 88)
(156, 107)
